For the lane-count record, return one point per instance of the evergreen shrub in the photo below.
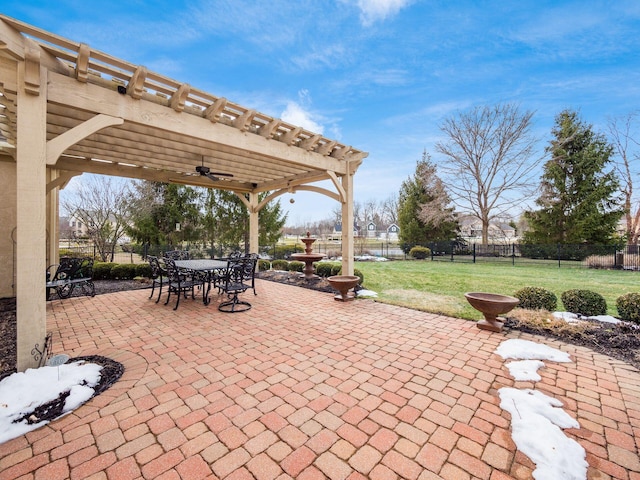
(280, 264)
(323, 269)
(296, 266)
(123, 271)
(419, 252)
(584, 302)
(536, 298)
(264, 265)
(102, 270)
(628, 306)
(143, 270)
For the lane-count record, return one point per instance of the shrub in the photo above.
(123, 271)
(143, 270)
(323, 269)
(628, 306)
(584, 302)
(280, 264)
(336, 269)
(358, 273)
(420, 253)
(264, 265)
(102, 270)
(296, 266)
(536, 298)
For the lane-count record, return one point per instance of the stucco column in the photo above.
(31, 217)
(347, 224)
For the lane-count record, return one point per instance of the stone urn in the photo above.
(343, 283)
(491, 305)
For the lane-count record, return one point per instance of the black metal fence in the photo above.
(559, 255)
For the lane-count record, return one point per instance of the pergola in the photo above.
(66, 109)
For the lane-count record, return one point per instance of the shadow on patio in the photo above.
(302, 386)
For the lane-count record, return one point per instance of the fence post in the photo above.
(513, 254)
(558, 247)
(474, 253)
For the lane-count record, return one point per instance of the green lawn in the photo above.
(439, 287)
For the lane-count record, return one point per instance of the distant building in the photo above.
(337, 231)
(500, 231)
(392, 232)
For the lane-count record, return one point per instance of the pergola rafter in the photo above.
(66, 109)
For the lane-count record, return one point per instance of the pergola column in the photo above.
(254, 227)
(347, 223)
(31, 219)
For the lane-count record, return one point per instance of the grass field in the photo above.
(439, 287)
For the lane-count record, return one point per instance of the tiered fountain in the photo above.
(308, 257)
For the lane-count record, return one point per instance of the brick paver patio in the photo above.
(304, 387)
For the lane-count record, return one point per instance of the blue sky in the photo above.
(376, 74)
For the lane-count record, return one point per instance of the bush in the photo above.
(264, 265)
(123, 271)
(323, 269)
(584, 302)
(336, 269)
(284, 251)
(102, 270)
(296, 266)
(536, 298)
(280, 265)
(358, 273)
(420, 253)
(143, 270)
(628, 306)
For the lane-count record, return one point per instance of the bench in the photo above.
(70, 273)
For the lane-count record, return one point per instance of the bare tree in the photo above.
(101, 204)
(624, 137)
(488, 165)
(390, 210)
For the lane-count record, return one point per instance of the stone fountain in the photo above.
(491, 305)
(308, 257)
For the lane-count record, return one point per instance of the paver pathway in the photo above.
(304, 387)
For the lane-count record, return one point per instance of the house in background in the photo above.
(500, 231)
(392, 232)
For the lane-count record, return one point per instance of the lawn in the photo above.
(439, 287)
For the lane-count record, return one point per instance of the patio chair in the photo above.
(233, 284)
(158, 275)
(180, 284)
(250, 268)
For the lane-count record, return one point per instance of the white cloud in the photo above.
(295, 114)
(372, 11)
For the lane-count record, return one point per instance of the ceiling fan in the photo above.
(206, 172)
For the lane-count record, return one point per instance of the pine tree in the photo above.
(578, 200)
(424, 214)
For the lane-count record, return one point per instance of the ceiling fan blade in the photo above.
(220, 174)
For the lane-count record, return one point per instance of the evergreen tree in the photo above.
(424, 214)
(578, 196)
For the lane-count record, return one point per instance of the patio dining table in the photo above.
(208, 266)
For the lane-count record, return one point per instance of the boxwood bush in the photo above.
(536, 298)
(584, 302)
(628, 306)
(264, 265)
(296, 266)
(323, 269)
(420, 253)
(143, 270)
(280, 265)
(123, 271)
(102, 270)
